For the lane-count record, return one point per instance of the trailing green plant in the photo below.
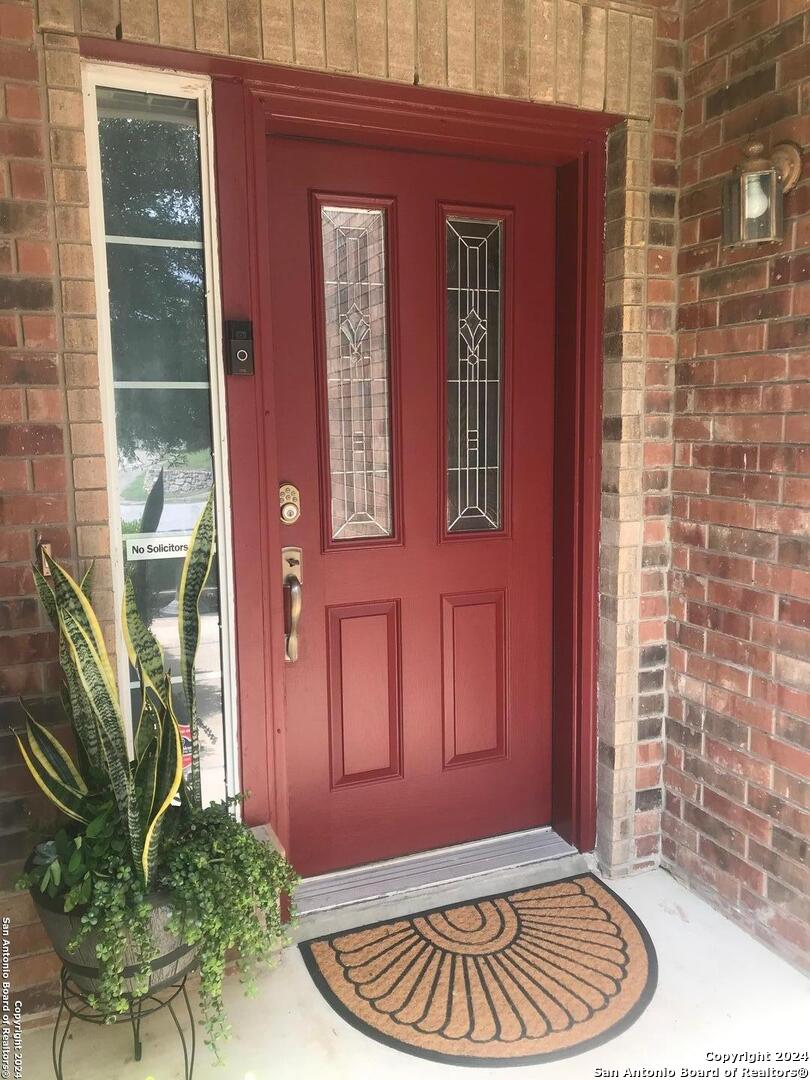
(225, 886)
(135, 822)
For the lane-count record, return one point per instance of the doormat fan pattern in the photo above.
(512, 979)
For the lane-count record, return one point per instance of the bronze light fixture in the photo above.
(752, 195)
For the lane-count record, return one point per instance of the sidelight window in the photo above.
(161, 378)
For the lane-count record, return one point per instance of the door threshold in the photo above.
(428, 869)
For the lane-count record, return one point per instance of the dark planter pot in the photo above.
(174, 958)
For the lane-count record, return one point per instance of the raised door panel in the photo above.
(473, 677)
(364, 692)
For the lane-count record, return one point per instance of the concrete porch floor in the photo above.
(719, 991)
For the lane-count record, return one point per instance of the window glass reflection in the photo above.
(152, 193)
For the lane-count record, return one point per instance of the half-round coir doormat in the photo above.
(513, 979)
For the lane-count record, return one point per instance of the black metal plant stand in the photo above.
(75, 1006)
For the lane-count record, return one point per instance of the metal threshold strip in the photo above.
(426, 869)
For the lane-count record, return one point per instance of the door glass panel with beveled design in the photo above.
(474, 374)
(355, 331)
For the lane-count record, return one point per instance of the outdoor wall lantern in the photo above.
(752, 195)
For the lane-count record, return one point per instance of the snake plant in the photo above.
(144, 785)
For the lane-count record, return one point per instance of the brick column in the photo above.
(640, 297)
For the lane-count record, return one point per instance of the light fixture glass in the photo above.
(753, 194)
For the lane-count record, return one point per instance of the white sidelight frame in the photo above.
(198, 89)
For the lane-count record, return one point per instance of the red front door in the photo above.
(413, 340)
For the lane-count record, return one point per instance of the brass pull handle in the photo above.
(296, 603)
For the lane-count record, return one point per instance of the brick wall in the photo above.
(737, 815)
(35, 476)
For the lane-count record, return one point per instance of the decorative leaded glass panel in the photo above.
(474, 374)
(357, 371)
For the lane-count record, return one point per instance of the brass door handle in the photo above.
(293, 615)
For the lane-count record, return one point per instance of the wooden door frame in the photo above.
(254, 100)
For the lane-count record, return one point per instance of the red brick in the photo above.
(691, 480)
(786, 640)
(782, 812)
(789, 333)
(13, 474)
(697, 258)
(722, 512)
(16, 22)
(785, 459)
(788, 757)
(27, 369)
(795, 612)
(745, 486)
(760, 113)
(775, 693)
(11, 406)
(744, 399)
(747, 24)
(39, 331)
(801, 299)
(790, 520)
(737, 763)
(27, 648)
(795, 65)
(683, 532)
(748, 428)
(750, 308)
(726, 456)
(50, 473)
(730, 838)
(744, 653)
(726, 567)
(20, 140)
(768, 46)
(753, 714)
(23, 102)
(706, 76)
(744, 277)
(701, 139)
(731, 864)
(15, 581)
(17, 62)
(15, 545)
(742, 542)
(713, 618)
(33, 509)
(27, 180)
(783, 579)
(738, 599)
(733, 339)
(31, 439)
(22, 679)
(34, 257)
(722, 676)
(797, 429)
(45, 404)
(746, 369)
(703, 16)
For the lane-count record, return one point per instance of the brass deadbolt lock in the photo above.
(289, 498)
